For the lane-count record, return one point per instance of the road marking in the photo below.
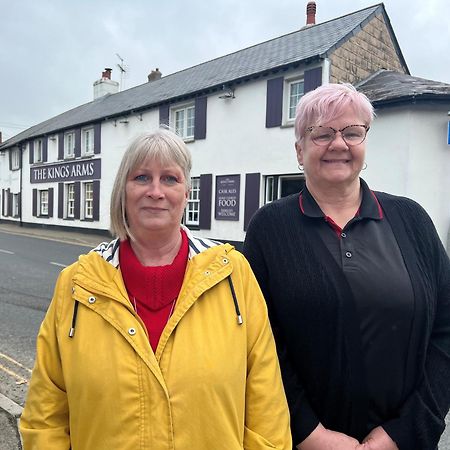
(58, 264)
(20, 380)
(17, 363)
(6, 251)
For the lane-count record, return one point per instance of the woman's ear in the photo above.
(299, 151)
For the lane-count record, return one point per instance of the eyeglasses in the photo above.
(351, 134)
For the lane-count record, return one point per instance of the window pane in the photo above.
(193, 206)
(295, 93)
(190, 122)
(88, 200)
(179, 122)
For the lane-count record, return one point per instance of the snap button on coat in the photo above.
(91, 300)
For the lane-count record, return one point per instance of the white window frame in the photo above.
(69, 200)
(69, 144)
(289, 104)
(15, 159)
(192, 215)
(87, 141)
(88, 200)
(184, 126)
(43, 202)
(38, 151)
(270, 192)
(15, 208)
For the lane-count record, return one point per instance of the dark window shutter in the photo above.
(10, 158)
(77, 149)
(35, 201)
(3, 202)
(20, 157)
(10, 203)
(50, 202)
(61, 146)
(97, 138)
(274, 102)
(31, 152)
(96, 204)
(77, 199)
(44, 149)
(164, 115)
(205, 201)
(200, 118)
(252, 186)
(312, 79)
(60, 200)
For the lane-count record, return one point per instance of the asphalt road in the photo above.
(29, 267)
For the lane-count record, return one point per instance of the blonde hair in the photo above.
(163, 146)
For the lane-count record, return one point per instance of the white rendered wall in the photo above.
(408, 155)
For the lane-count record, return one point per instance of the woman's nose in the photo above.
(338, 141)
(154, 190)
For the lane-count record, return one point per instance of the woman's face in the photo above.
(334, 164)
(155, 197)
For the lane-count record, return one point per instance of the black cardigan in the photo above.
(315, 323)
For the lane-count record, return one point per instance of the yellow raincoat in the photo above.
(213, 383)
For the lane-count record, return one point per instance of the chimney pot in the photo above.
(311, 13)
(154, 75)
(107, 73)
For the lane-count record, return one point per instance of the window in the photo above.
(15, 159)
(183, 120)
(43, 203)
(87, 141)
(69, 145)
(295, 92)
(88, 196)
(38, 152)
(16, 203)
(70, 200)
(278, 186)
(193, 206)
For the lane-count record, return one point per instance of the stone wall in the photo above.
(368, 51)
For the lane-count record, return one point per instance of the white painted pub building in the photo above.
(236, 115)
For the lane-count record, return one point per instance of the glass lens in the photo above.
(354, 134)
(322, 135)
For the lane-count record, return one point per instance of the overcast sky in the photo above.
(51, 51)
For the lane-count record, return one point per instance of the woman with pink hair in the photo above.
(358, 288)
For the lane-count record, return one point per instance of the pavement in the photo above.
(9, 410)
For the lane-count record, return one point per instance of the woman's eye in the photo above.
(169, 179)
(141, 178)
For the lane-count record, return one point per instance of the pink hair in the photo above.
(328, 102)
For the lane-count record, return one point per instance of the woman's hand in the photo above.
(323, 439)
(378, 439)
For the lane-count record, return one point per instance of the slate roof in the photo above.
(307, 44)
(387, 87)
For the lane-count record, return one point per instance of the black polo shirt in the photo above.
(369, 256)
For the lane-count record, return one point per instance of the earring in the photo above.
(364, 166)
(300, 167)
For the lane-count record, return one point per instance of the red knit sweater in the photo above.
(153, 291)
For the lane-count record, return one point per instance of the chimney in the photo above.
(154, 75)
(311, 13)
(107, 73)
(105, 85)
